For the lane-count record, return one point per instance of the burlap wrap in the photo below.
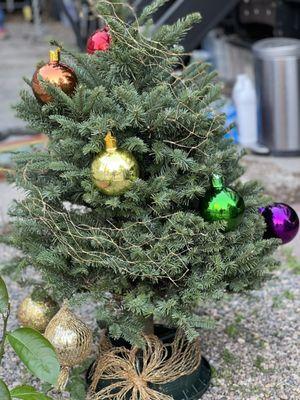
(131, 371)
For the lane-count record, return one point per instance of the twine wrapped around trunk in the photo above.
(132, 371)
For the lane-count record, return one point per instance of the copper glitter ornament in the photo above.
(114, 171)
(56, 73)
(72, 340)
(37, 312)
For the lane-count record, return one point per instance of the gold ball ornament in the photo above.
(56, 73)
(36, 313)
(113, 170)
(72, 341)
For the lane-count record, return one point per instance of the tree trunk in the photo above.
(149, 326)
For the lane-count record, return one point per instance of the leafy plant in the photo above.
(21, 392)
(33, 349)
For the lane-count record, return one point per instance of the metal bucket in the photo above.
(277, 74)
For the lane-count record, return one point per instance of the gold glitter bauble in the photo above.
(114, 170)
(37, 313)
(72, 341)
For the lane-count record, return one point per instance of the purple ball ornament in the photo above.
(282, 222)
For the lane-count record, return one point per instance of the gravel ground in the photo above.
(254, 349)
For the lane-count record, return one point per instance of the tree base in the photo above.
(189, 387)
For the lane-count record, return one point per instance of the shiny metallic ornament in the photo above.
(100, 40)
(56, 73)
(72, 340)
(282, 222)
(36, 314)
(222, 204)
(114, 170)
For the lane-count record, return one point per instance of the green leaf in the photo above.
(4, 392)
(4, 299)
(77, 388)
(36, 352)
(28, 393)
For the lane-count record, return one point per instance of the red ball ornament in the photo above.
(56, 73)
(100, 40)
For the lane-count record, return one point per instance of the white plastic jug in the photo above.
(244, 97)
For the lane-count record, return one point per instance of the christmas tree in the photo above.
(134, 234)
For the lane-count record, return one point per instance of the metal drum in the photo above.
(277, 73)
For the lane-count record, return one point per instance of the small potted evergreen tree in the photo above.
(134, 205)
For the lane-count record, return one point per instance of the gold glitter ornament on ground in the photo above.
(72, 340)
(56, 73)
(114, 170)
(35, 312)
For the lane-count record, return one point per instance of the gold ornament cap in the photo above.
(110, 142)
(54, 55)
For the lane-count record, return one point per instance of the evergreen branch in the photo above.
(150, 10)
(169, 35)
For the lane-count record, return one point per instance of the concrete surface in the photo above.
(279, 175)
(19, 54)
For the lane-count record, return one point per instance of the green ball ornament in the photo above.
(221, 203)
(113, 170)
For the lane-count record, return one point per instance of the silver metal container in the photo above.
(277, 75)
